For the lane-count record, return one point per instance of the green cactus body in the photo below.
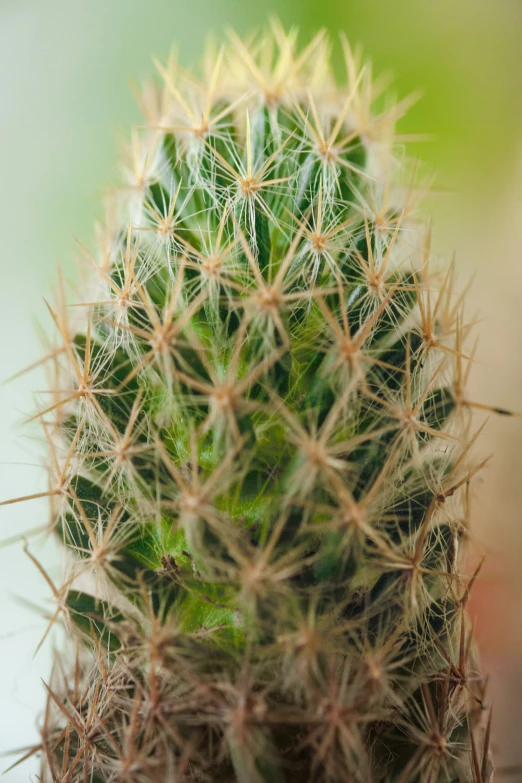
(259, 448)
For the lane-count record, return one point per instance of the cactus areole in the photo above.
(259, 441)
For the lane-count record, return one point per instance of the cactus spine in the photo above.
(259, 446)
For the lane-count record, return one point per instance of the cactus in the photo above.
(259, 448)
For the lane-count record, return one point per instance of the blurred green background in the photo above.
(64, 70)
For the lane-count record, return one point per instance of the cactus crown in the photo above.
(259, 448)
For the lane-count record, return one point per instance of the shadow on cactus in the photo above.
(259, 443)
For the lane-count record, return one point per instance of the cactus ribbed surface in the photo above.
(259, 448)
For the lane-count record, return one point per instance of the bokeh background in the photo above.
(65, 67)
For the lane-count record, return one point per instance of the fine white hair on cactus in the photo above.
(259, 443)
